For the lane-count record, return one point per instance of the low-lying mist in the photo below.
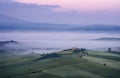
(41, 42)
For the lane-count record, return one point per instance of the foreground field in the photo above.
(95, 65)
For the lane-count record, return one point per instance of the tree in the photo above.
(104, 64)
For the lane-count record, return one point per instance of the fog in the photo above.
(59, 40)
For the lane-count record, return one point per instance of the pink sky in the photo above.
(78, 5)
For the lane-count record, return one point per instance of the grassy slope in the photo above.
(67, 66)
(111, 60)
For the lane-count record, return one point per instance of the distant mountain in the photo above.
(97, 28)
(8, 23)
(109, 39)
(12, 24)
(7, 19)
(34, 27)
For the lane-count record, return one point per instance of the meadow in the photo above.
(67, 65)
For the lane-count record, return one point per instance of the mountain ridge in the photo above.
(13, 24)
(109, 39)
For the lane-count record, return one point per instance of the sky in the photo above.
(64, 11)
(78, 5)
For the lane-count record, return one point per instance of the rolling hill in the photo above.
(94, 65)
(8, 23)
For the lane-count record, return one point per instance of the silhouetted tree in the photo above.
(109, 49)
(104, 64)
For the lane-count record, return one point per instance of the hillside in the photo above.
(8, 42)
(95, 65)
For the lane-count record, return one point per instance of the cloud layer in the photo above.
(78, 5)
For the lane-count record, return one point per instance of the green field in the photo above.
(68, 65)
